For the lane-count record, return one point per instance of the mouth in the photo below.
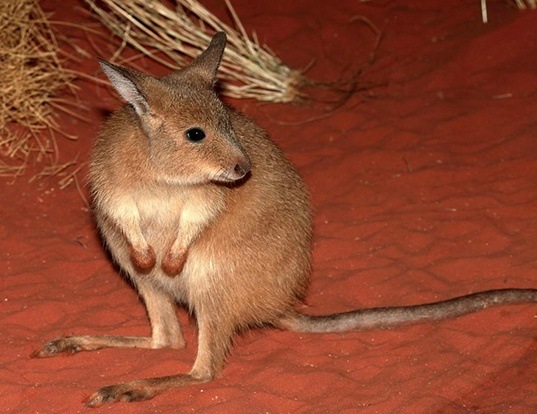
(229, 177)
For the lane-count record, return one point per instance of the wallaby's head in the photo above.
(187, 127)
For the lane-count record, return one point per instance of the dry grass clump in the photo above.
(532, 4)
(172, 36)
(31, 77)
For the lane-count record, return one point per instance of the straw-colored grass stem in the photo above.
(173, 37)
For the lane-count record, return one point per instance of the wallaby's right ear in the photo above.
(207, 63)
(126, 82)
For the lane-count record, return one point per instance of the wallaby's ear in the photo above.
(126, 82)
(207, 63)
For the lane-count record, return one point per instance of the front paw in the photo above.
(143, 259)
(173, 262)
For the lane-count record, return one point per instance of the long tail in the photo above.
(380, 318)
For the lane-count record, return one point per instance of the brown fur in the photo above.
(222, 226)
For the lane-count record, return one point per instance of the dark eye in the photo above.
(195, 134)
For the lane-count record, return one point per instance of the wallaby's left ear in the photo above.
(128, 84)
(207, 63)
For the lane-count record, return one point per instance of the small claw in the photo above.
(127, 392)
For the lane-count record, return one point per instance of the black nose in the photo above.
(239, 170)
(242, 168)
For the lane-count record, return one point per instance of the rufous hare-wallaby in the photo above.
(198, 207)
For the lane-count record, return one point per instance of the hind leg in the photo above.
(214, 342)
(165, 329)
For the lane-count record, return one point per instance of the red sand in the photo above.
(424, 188)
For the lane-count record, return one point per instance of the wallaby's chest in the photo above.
(159, 208)
(164, 212)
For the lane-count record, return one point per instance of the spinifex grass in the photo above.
(174, 36)
(32, 77)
